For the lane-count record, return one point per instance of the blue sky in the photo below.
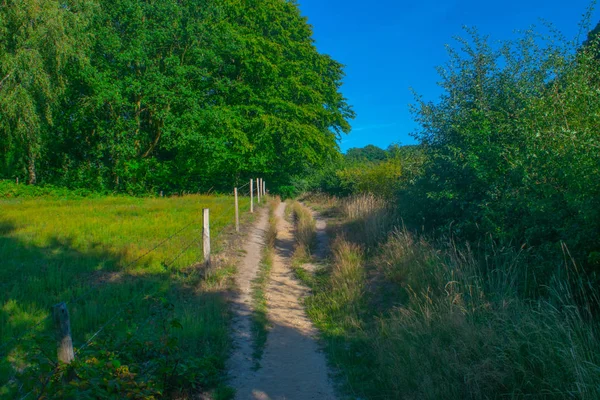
(391, 46)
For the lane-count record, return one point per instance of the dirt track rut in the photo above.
(293, 367)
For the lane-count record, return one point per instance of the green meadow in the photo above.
(130, 270)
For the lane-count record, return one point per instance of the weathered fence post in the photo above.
(206, 236)
(251, 196)
(17, 180)
(237, 211)
(257, 190)
(264, 188)
(63, 333)
(161, 193)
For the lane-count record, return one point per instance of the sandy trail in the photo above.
(293, 368)
(240, 363)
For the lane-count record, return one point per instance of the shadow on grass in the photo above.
(118, 307)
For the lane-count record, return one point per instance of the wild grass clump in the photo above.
(305, 232)
(348, 271)
(454, 336)
(423, 318)
(368, 218)
(336, 304)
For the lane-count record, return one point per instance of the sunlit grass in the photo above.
(99, 256)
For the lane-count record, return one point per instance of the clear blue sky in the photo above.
(390, 46)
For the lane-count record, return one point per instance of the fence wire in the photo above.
(124, 306)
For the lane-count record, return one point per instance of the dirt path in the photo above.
(240, 363)
(292, 365)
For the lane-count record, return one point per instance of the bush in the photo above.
(512, 148)
(9, 189)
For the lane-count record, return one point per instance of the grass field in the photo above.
(126, 268)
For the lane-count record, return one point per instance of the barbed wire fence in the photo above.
(256, 192)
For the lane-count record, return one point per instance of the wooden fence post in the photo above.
(17, 180)
(264, 188)
(63, 333)
(237, 211)
(257, 190)
(206, 236)
(251, 196)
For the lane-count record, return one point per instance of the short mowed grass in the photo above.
(130, 271)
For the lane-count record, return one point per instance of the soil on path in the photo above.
(293, 368)
(240, 363)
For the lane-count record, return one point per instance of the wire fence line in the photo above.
(244, 186)
(117, 314)
(124, 306)
(96, 287)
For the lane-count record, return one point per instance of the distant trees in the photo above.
(367, 153)
(181, 96)
(369, 169)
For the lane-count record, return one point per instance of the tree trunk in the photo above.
(31, 169)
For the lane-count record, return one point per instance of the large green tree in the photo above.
(194, 95)
(38, 39)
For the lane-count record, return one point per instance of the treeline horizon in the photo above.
(139, 97)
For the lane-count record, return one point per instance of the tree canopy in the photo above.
(513, 147)
(38, 40)
(168, 95)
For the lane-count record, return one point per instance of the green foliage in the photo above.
(146, 363)
(366, 170)
(38, 40)
(367, 153)
(512, 146)
(287, 192)
(10, 190)
(177, 96)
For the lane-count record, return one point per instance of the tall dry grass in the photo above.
(305, 227)
(367, 217)
(453, 324)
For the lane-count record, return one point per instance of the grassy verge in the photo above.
(305, 231)
(260, 320)
(408, 317)
(146, 319)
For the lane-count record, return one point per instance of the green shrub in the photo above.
(512, 148)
